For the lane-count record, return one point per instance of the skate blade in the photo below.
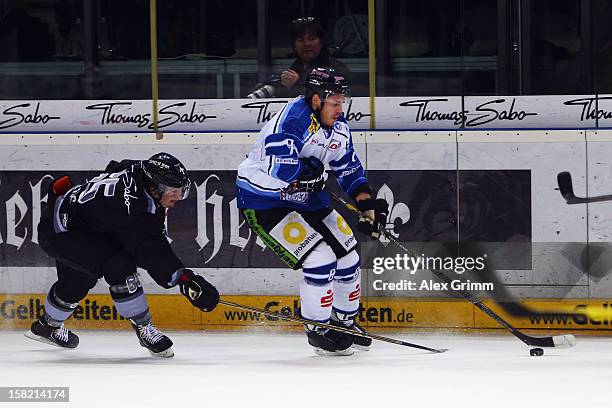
(45, 340)
(168, 353)
(360, 348)
(338, 353)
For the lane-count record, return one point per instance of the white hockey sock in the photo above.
(316, 300)
(346, 298)
(347, 288)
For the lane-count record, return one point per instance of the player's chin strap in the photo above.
(317, 113)
(561, 341)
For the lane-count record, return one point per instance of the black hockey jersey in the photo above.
(116, 203)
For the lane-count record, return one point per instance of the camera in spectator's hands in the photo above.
(267, 90)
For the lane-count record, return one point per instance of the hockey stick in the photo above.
(329, 326)
(564, 179)
(561, 341)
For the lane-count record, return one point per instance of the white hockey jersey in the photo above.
(273, 163)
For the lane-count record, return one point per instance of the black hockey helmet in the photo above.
(166, 174)
(326, 81)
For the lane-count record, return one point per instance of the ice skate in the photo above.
(151, 338)
(55, 336)
(359, 343)
(330, 342)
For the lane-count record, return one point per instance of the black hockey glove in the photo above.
(198, 290)
(312, 178)
(374, 216)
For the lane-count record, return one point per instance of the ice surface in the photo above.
(110, 369)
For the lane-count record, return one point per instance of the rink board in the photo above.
(174, 312)
(498, 187)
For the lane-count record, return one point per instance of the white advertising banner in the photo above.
(200, 115)
(248, 115)
(419, 113)
(529, 112)
(602, 109)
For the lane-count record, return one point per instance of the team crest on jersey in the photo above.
(314, 124)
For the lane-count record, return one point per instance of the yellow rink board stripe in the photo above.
(175, 312)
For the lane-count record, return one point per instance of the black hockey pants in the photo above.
(82, 257)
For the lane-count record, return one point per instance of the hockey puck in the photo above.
(536, 352)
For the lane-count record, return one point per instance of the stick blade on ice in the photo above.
(564, 341)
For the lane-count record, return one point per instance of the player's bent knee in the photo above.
(321, 274)
(348, 269)
(320, 265)
(127, 288)
(118, 268)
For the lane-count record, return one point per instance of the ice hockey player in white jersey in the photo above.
(280, 191)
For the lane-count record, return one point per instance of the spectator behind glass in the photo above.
(311, 50)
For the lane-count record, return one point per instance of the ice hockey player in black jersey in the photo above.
(106, 228)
